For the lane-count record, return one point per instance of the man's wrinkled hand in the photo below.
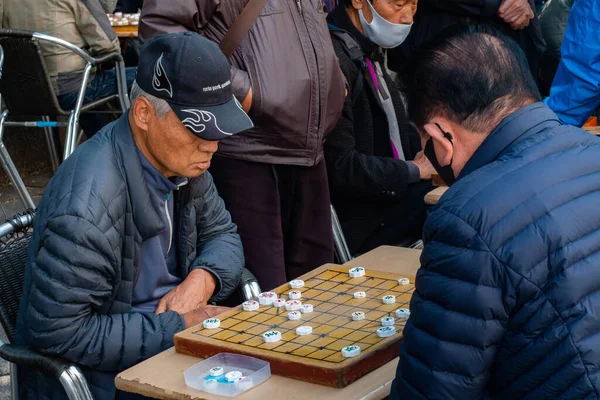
(195, 317)
(516, 13)
(192, 293)
(424, 165)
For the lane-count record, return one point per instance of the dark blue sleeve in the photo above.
(575, 92)
(458, 315)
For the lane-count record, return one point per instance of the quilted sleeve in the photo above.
(459, 314)
(72, 275)
(219, 246)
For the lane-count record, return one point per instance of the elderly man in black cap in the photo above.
(131, 239)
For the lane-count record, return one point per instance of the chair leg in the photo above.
(339, 241)
(14, 385)
(82, 386)
(71, 136)
(54, 160)
(11, 170)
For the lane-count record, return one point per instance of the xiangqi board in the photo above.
(339, 322)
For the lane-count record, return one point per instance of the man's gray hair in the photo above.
(161, 107)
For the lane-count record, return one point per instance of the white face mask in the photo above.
(382, 32)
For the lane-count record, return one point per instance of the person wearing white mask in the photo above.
(378, 175)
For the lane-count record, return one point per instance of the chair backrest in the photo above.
(25, 84)
(13, 259)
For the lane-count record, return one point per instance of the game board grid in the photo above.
(332, 334)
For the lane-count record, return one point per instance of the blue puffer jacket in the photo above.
(85, 256)
(507, 299)
(575, 92)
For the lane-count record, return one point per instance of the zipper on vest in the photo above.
(299, 3)
(170, 222)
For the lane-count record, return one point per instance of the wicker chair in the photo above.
(27, 91)
(14, 242)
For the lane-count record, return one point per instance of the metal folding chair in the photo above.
(27, 90)
(14, 241)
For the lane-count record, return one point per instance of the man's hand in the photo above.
(193, 292)
(247, 103)
(195, 317)
(425, 167)
(516, 13)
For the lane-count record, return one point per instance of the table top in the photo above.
(126, 31)
(433, 197)
(162, 375)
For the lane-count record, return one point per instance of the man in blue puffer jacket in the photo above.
(507, 299)
(131, 239)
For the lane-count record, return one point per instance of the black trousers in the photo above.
(282, 213)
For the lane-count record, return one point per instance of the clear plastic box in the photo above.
(255, 372)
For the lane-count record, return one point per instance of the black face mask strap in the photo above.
(447, 135)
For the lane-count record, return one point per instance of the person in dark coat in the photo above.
(131, 239)
(378, 175)
(507, 299)
(515, 18)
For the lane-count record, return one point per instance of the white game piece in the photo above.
(351, 351)
(358, 316)
(293, 305)
(357, 272)
(402, 313)
(389, 299)
(294, 315)
(360, 295)
(250, 305)
(272, 336)
(307, 308)
(211, 323)
(267, 298)
(216, 371)
(403, 281)
(386, 331)
(295, 295)
(296, 283)
(278, 303)
(387, 321)
(119, 14)
(233, 376)
(303, 330)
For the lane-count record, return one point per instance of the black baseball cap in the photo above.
(191, 73)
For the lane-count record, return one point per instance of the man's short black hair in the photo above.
(471, 74)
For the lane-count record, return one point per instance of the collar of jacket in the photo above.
(145, 217)
(527, 121)
(340, 18)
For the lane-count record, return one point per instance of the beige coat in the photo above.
(80, 22)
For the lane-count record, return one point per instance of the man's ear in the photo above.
(444, 150)
(142, 113)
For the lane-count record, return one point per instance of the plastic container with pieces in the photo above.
(254, 372)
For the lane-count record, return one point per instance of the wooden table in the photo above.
(162, 375)
(433, 197)
(126, 31)
(594, 130)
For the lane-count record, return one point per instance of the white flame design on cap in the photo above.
(200, 118)
(160, 81)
